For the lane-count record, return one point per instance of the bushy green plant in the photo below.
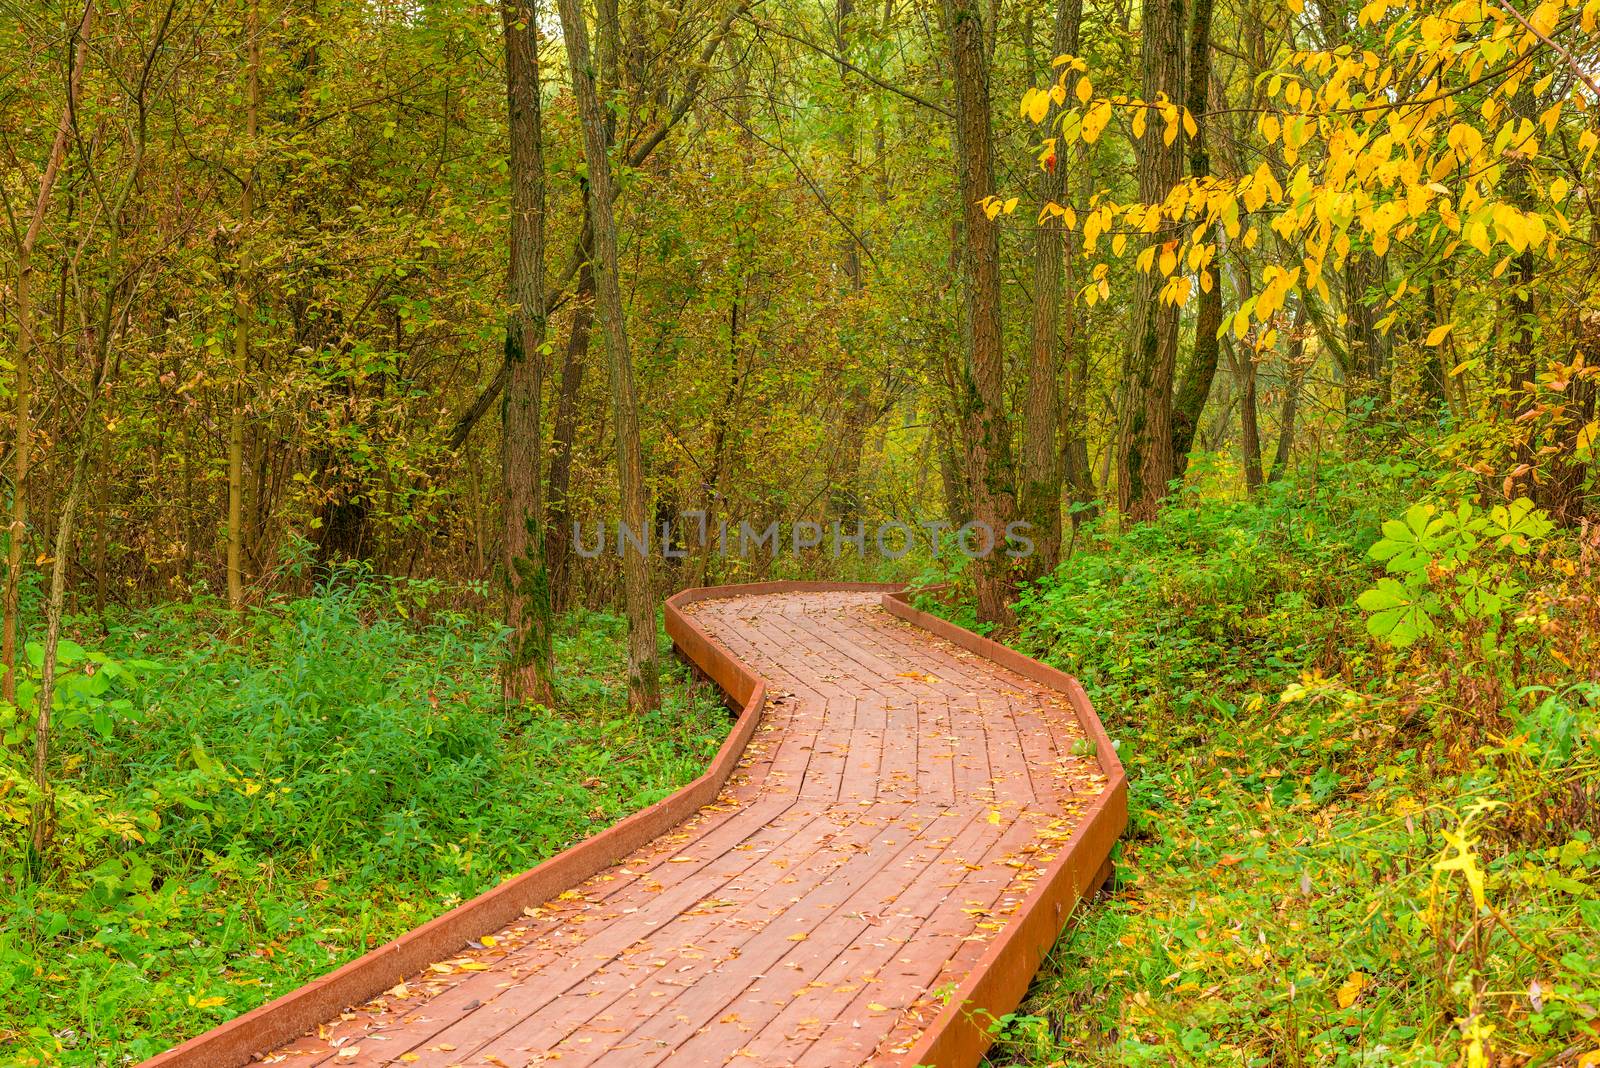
(241, 810)
(1344, 849)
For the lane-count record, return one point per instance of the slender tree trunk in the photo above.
(22, 398)
(1293, 373)
(1042, 455)
(564, 434)
(243, 312)
(1145, 461)
(530, 660)
(1077, 468)
(1244, 371)
(1195, 389)
(644, 693)
(981, 384)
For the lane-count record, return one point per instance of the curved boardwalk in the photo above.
(898, 802)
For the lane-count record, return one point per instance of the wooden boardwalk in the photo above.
(894, 812)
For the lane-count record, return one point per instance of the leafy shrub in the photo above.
(1357, 838)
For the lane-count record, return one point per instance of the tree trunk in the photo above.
(1291, 393)
(22, 399)
(1244, 371)
(644, 692)
(981, 387)
(1195, 388)
(1145, 461)
(530, 659)
(1042, 455)
(564, 434)
(242, 315)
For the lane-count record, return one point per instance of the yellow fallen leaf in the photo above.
(875, 1007)
(1351, 989)
(799, 936)
(210, 1003)
(489, 940)
(349, 1051)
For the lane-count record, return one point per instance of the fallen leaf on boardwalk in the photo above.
(799, 936)
(994, 816)
(409, 1057)
(349, 1051)
(875, 1007)
(442, 969)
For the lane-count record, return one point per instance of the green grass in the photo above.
(241, 812)
(1277, 899)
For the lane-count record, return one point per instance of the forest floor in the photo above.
(242, 812)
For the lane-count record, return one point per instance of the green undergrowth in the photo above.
(1363, 784)
(244, 808)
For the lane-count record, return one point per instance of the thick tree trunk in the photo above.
(1145, 460)
(644, 692)
(1195, 388)
(1042, 455)
(981, 387)
(530, 659)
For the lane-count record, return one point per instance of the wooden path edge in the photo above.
(959, 1035)
(956, 1038)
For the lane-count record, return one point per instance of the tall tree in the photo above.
(243, 310)
(980, 385)
(644, 690)
(1145, 460)
(529, 615)
(27, 239)
(1042, 456)
(1201, 369)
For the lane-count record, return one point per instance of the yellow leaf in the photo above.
(1438, 334)
(1586, 436)
(1011, 205)
(799, 936)
(210, 1003)
(1036, 105)
(1351, 989)
(875, 1007)
(1085, 89)
(994, 816)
